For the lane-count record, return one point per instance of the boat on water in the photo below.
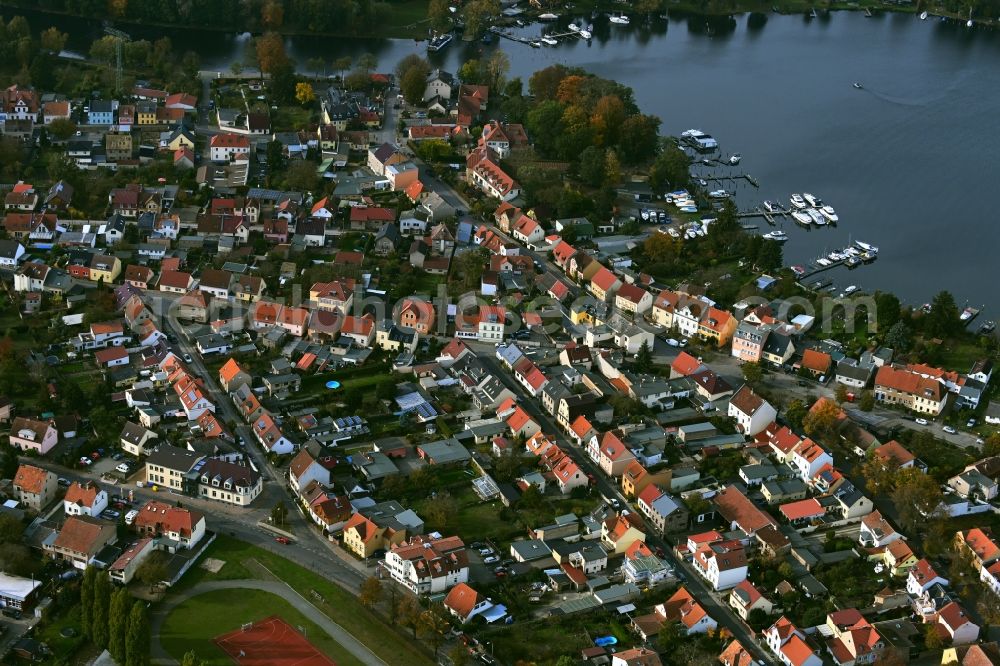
(585, 34)
(548, 16)
(968, 23)
(549, 41)
(798, 270)
(798, 201)
(535, 44)
(674, 233)
(771, 207)
(619, 19)
(439, 42)
(824, 262)
(830, 214)
(801, 217)
(812, 200)
(853, 262)
(689, 209)
(867, 247)
(987, 327)
(923, 16)
(718, 194)
(968, 314)
(816, 216)
(851, 289)
(573, 27)
(778, 236)
(858, 86)
(735, 158)
(868, 12)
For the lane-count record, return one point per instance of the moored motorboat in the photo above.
(778, 236)
(548, 17)
(573, 27)
(620, 19)
(771, 207)
(798, 201)
(829, 214)
(801, 218)
(816, 216)
(549, 41)
(923, 16)
(867, 246)
(812, 200)
(851, 289)
(735, 158)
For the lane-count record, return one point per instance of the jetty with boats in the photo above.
(851, 256)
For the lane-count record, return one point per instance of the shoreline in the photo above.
(684, 9)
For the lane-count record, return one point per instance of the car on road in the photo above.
(85, 461)
(672, 342)
(491, 559)
(124, 468)
(284, 540)
(63, 482)
(110, 514)
(950, 430)
(684, 342)
(920, 421)
(187, 358)
(971, 423)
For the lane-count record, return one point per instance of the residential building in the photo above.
(35, 488)
(228, 482)
(662, 510)
(85, 499)
(912, 390)
(722, 563)
(428, 564)
(464, 603)
(621, 531)
(171, 467)
(789, 646)
(751, 412)
(227, 147)
(81, 539)
(137, 440)
(184, 526)
(33, 435)
(745, 599)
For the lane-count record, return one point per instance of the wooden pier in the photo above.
(743, 176)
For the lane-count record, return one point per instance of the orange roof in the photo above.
(715, 319)
(893, 451)
(228, 372)
(31, 479)
(736, 508)
(899, 550)
(979, 541)
(518, 419)
(685, 364)
(162, 517)
(604, 279)
(807, 508)
(816, 361)
(581, 426)
(908, 382)
(736, 655)
(366, 529)
(631, 293)
(796, 650)
(82, 494)
(462, 599)
(82, 534)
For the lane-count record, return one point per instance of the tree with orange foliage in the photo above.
(607, 119)
(569, 89)
(271, 52)
(272, 14)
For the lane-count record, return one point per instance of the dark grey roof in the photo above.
(173, 458)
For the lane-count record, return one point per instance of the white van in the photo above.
(131, 516)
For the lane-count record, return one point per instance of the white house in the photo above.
(808, 458)
(10, 254)
(85, 499)
(751, 412)
(788, 644)
(428, 564)
(226, 147)
(722, 563)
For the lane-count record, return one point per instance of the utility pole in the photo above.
(120, 38)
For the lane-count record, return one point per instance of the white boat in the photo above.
(700, 231)
(690, 234)
(585, 34)
(851, 289)
(923, 16)
(812, 200)
(689, 209)
(829, 214)
(535, 45)
(866, 246)
(679, 193)
(674, 233)
(620, 19)
(798, 201)
(439, 42)
(802, 218)
(824, 262)
(771, 207)
(778, 236)
(644, 215)
(968, 23)
(573, 27)
(735, 158)
(816, 216)
(548, 17)
(549, 41)
(718, 194)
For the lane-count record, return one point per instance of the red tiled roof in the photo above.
(31, 479)
(816, 360)
(807, 508)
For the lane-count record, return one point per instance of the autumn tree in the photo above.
(433, 626)
(753, 374)
(272, 14)
(271, 52)
(496, 70)
(441, 511)
(371, 592)
(408, 613)
(866, 402)
(917, 497)
(661, 248)
(53, 40)
(439, 15)
(606, 120)
(879, 474)
(304, 93)
(822, 419)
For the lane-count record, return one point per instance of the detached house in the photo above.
(722, 563)
(751, 412)
(33, 435)
(34, 487)
(227, 147)
(81, 539)
(610, 453)
(788, 644)
(85, 499)
(428, 564)
(483, 172)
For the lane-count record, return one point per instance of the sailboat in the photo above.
(923, 16)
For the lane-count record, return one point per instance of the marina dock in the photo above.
(743, 176)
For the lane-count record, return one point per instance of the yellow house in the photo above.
(363, 537)
(717, 326)
(588, 310)
(636, 478)
(620, 532)
(181, 138)
(145, 113)
(105, 267)
(899, 558)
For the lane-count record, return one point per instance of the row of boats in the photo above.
(851, 256)
(808, 209)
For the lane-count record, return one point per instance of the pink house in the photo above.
(32, 435)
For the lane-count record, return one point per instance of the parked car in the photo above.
(920, 421)
(131, 516)
(949, 430)
(485, 551)
(684, 342)
(284, 540)
(110, 514)
(476, 545)
(187, 358)
(85, 461)
(63, 482)
(672, 342)
(491, 559)
(971, 423)
(124, 468)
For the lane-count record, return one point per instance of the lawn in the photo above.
(290, 118)
(193, 624)
(342, 606)
(544, 641)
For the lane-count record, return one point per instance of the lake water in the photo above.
(909, 162)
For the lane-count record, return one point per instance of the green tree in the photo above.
(87, 600)
(866, 402)
(638, 139)
(189, 659)
(888, 310)
(53, 40)
(770, 257)
(413, 83)
(840, 393)
(8, 463)
(644, 358)
(471, 71)
(943, 321)
(137, 636)
(236, 67)
(753, 374)
(99, 620)
(670, 170)
(118, 612)
(439, 15)
(822, 419)
(301, 176)
(62, 128)
(992, 445)
(545, 126)
(591, 166)
(279, 514)
(795, 414)
(153, 570)
(441, 511)
(497, 67)
(899, 338)
(932, 639)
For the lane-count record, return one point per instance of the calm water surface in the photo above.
(909, 162)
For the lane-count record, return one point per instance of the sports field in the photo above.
(271, 642)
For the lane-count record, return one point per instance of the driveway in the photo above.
(334, 630)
